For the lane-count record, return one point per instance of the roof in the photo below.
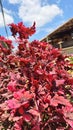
(63, 28)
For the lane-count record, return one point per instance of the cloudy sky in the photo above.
(48, 14)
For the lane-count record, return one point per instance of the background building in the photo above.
(62, 37)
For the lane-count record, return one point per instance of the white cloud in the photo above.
(37, 10)
(8, 18)
(32, 10)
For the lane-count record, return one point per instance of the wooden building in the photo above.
(62, 37)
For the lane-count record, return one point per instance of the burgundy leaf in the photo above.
(34, 112)
(27, 117)
(13, 104)
(60, 82)
(70, 122)
(12, 86)
(59, 100)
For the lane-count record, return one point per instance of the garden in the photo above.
(36, 84)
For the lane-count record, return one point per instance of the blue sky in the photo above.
(48, 14)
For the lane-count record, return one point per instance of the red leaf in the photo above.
(17, 118)
(28, 95)
(34, 112)
(17, 126)
(59, 100)
(26, 104)
(39, 71)
(70, 81)
(59, 82)
(21, 110)
(25, 60)
(12, 86)
(13, 104)
(27, 117)
(19, 94)
(55, 52)
(70, 122)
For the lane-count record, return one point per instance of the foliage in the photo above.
(36, 91)
(70, 64)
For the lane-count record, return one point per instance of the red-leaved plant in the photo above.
(36, 91)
